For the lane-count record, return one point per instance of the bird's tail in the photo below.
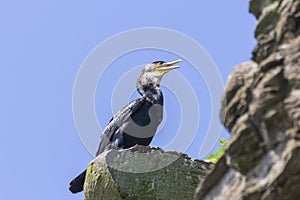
(76, 185)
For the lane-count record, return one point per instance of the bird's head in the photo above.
(152, 74)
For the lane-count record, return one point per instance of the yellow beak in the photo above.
(166, 67)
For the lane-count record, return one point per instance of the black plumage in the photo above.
(137, 122)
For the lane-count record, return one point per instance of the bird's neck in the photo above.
(150, 91)
(153, 94)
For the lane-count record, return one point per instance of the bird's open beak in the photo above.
(166, 67)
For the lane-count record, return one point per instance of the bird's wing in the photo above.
(118, 119)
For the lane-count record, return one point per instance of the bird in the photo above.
(137, 122)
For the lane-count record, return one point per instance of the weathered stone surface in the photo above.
(257, 6)
(237, 93)
(143, 173)
(261, 109)
(278, 24)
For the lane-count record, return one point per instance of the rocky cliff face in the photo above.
(261, 109)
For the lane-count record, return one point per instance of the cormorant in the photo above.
(137, 122)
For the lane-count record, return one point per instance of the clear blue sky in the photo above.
(42, 46)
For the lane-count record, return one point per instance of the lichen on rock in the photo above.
(143, 173)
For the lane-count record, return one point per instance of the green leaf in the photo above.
(223, 141)
(214, 157)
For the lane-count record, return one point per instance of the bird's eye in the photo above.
(159, 62)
